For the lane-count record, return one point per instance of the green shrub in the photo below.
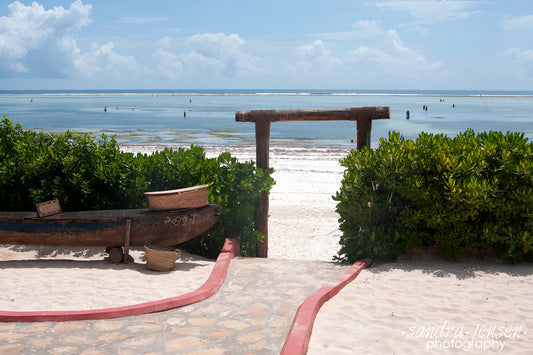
(457, 194)
(80, 171)
(87, 173)
(235, 188)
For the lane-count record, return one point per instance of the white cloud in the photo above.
(521, 23)
(430, 11)
(165, 42)
(168, 65)
(216, 45)
(103, 62)
(197, 62)
(219, 53)
(377, 46)
(38, 41)
(317, 57)
(402, 51)
(367, 46)
(387, 55)
(368, 55)
(368, 26)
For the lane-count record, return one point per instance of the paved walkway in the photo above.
(250, 314)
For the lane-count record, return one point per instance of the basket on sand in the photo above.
(160, 258)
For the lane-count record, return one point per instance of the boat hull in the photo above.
(107, 228)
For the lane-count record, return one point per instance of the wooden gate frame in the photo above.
(262, 118)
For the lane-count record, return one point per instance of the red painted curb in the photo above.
(209, 288)
(297, 340)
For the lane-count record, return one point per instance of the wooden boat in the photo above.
(107, 228)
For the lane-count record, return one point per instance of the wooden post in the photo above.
(262, 138)
(127, 237)
(364, 130)
(263, 118)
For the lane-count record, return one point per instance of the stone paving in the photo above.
(250, 314)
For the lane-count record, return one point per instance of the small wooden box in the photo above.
(48, 208)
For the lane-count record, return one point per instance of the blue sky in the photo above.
(304, 44)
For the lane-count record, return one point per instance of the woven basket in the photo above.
(160, 258)
(189, 197)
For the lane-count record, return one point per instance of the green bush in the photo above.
(83, 173)
(87, 173)
(471, 192)
(235, 188)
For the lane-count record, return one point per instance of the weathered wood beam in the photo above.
(343, 114)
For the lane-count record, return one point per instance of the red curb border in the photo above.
(297, 341)
(215, 281)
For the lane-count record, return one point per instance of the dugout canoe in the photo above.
(107, 228)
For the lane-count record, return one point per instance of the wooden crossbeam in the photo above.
(341, 114)
(262, 118)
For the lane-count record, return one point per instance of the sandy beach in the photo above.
(79, 279)
(420, 303)
(427, 304)
(302, 226)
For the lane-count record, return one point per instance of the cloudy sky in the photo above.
(334, 44)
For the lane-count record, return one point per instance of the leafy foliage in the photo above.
(469, 192)
(87, 173)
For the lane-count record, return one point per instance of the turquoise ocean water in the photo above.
(207, 117)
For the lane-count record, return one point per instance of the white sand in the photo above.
(302, 225)
(402, 308)
(57, 279)
(430, 305)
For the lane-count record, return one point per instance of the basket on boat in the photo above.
(189, 197)
(160, 258)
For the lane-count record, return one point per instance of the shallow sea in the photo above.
(207, 117)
